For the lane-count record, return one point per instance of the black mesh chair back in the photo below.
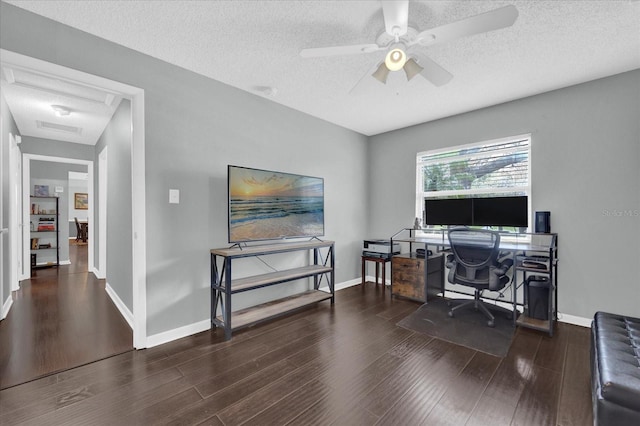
(475, 251)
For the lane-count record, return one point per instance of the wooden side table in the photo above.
(378, 261)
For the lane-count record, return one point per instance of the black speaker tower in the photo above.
(543, 222)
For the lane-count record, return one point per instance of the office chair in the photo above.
(474, 263)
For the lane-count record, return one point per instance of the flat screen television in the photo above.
(501, 211)
(448, 211)
(270, 205)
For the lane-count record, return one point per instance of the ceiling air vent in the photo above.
(59, 127)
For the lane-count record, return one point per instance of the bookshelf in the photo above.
(45, 238)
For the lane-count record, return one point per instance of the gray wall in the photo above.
(8, 126)
(195, 127)
(117, 137)
(585, 156)
(51, 148)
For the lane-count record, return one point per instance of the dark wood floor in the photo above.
(343, 365)
(61, 318)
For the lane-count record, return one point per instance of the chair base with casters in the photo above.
(479, 305)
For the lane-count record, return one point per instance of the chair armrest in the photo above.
(507, 263)
(451, 261)
(503, 267)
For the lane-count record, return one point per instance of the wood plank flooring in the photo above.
(346, 364)
(61, 318)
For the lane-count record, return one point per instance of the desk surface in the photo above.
(524, 242)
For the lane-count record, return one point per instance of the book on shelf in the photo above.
(46, 227)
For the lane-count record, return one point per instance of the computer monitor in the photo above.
(501, 211)
(448, 211)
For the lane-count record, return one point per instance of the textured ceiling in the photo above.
(255, 45)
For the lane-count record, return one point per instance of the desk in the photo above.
(378, 261)
(521, 247)
(510, 242)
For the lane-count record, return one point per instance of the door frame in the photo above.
(26, 202)
(3, 230)
(101, 270)
(16, 220)
(138, 188)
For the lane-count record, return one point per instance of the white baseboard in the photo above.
(7, 306)
(124, 311)
(99, 275)
(65, 262)
(178, 333)
(566, 318)
(371, 278)
(572, 319)
(188, 330)
(343, 285)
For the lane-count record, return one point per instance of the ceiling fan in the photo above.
(402, 42)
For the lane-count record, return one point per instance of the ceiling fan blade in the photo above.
(433, 72)
(366, 82)
(488, 21)
(396, 17)
(339, 50)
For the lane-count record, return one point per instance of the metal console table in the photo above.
(223, 285)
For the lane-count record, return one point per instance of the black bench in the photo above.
(615, 369)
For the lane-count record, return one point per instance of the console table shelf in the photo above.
(257, 281)
(273, 309)
(223, 285)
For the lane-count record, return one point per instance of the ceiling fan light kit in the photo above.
(381, 73)
(398, 38)
(395, 59)
(411, 68)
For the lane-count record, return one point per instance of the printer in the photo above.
(379, 248)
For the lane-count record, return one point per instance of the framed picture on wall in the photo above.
(81, 201)
(41, 190)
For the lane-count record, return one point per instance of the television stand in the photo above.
(223, 285)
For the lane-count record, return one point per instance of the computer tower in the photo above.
(537, 297)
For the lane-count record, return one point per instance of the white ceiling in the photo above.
(255, 45)
(31, 95)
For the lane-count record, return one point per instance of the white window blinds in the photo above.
(488, 168)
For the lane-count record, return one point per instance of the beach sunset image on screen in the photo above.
(265, 205)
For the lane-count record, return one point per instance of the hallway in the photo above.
(61, 318)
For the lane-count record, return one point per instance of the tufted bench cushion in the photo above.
(615, 369)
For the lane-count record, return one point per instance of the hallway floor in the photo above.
(61, 318)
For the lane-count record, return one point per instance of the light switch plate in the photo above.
(174, 196)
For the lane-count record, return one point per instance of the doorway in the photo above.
(138, 216)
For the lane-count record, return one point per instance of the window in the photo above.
(496, 168)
